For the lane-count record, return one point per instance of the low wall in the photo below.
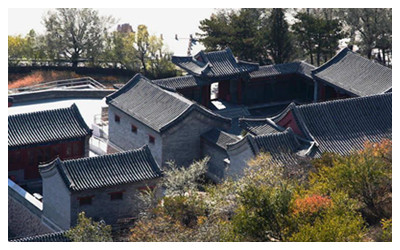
(57, 93)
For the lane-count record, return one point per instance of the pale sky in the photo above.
(159, 21)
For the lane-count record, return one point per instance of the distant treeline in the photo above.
(81, 37)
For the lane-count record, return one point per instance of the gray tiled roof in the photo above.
(301, 68)
(216, 65)
(219, 138)
(154, 106)
(355, 74)
(106, 170)
(179, 82)
(344, 125)
(284, 147)
(259, 126)
(339, 126)
(47, 126)
(51, 237)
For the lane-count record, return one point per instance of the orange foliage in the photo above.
(382, 149)
(31, 79)
(311, 204)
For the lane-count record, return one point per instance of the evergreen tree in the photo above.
(279, 38)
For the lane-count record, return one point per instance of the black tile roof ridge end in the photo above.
(132, 82)
(338, 56)
(288, 108)
(238, 143)
(45, 167)
(193, 106)
(75, 108)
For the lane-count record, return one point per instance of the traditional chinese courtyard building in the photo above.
(240, 82)
(142, 113)
(349, 75)
(38, 137)
(105, 187)
(307, 131)
(346, 75)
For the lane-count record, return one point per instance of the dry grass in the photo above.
(39, 77)
(23, 80)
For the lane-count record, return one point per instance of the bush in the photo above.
(179, 180)
(365, 175)
(331, 227)
(262, 213)
(87, 230)
(386, 230)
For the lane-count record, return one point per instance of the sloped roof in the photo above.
(259, 126)
(106, 170)
(284, 147)
(154, 106)
(342, 126)
(51, 237)
(179, 82)
(301, 68)
(214, 66)
(47, 126)
(339, 126)
(219, 138)
(355, 74)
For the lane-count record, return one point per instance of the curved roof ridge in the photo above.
(132, 82)
(284, 112)
(337, 57)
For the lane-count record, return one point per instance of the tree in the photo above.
(240, 30)
(279, 38)
(370, 28)
(365, 176)
(154, 59)
(217, 31)
(120, 50)
(16, 49)
(87, 230)
(76, 34)
(317, 36)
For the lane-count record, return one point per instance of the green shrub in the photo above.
(87, 230)
(331, 227)
(365, 176)
(386, 230)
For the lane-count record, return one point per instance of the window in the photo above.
(85, 200)
(152, 139)
(116, 196)
(134, 129)
(117, 118)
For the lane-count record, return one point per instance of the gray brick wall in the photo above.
(238, 157)
(103, 207)
(121, 135)
(216, 164)
(56, 199)
(181, 143)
